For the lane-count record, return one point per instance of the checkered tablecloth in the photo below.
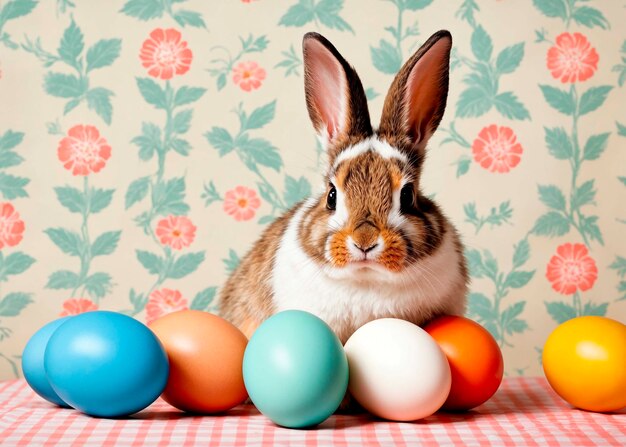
(523, 412)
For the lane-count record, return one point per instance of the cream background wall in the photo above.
(545, 237)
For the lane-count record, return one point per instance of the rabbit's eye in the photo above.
(406, 198)
(331, 200)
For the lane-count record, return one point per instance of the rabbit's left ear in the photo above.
(416, 99)
(334, 94)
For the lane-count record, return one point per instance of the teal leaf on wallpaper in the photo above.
(9, 159)
(552, 197)
(473, 102)
(371, 94)
(152, 92)
(98, 284)
(296, 190)
(185, 265)
(12, 187)
(291, 62)
(232, 261)
(137, 191)
(510, 107)
(149, 141)
(589, 225)
(509, 58)
(619, 265)
(221, 140)
(71, 105)
(621, 68)
(99, 199)
(99, 100)
(595, 146)
(521, 255)
(479, 305)
(594, 309)
(71, 45)
(324, 11)
(590, 17)
(623, 180)
(151, 262)
(169, 197)
(552, 8)
(62, 279)
(106, 243)
(68, 241)
(475, 263)
(386, 57)
(16, 8)
(593, 98)
(496, 217)
(463, 166)
(559, 143)
(560, 100)
(181, 146)
(184, 17)
(203, 299)
(187, 95)
(182, 121)
(518, 279)
(551, 224)
(13, 303)
(260, 116)
(138, 300)
(14, 264)
(482, 46)
(583, 194)
(414, 5)
(490, 265)
(103, 53)
(144, 9)
(560, 311)
(63, 85)
(10, 139)
(259, 151)
(510, 322)
(621, 129)
(71, 198)
(210, 194)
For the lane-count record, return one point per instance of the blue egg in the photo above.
(106, 364)
(32, 362)
(295, 369)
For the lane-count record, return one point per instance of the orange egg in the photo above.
(206, 356)
(475, 360)
(584, 360)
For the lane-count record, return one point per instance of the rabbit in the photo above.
(369, 245)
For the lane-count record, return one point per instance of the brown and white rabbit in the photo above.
(370, 245)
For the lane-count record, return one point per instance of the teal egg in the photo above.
(295, 369)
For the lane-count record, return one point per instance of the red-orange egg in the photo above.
(475, 361)
(206, 356)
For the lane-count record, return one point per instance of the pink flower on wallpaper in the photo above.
(571, 269)
(248, 75)
(573, 58)
(176, 231)
(75, 306)
(241, 203)
(496, 149)
(164, 54)
(84, 151)
(163, 302)
(11, 226)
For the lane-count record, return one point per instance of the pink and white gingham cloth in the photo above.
(524, 412)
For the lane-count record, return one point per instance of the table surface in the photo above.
(524, 411)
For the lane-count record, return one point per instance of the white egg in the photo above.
(397, 370)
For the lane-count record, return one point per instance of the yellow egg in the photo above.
(584, 360)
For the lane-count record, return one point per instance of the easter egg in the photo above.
(397, 370)
(106, 364)
(295, 369)
(584, 360)
(206, 356)
(475, 360)
(32, 362)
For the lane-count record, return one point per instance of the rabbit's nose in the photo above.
(365, 250)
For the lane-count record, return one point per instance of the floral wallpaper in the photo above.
(145, 144)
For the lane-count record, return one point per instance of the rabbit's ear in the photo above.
(416, 99)
(334, 93)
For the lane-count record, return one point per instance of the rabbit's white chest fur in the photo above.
(430, 287)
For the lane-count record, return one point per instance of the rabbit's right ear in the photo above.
(334, 94)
